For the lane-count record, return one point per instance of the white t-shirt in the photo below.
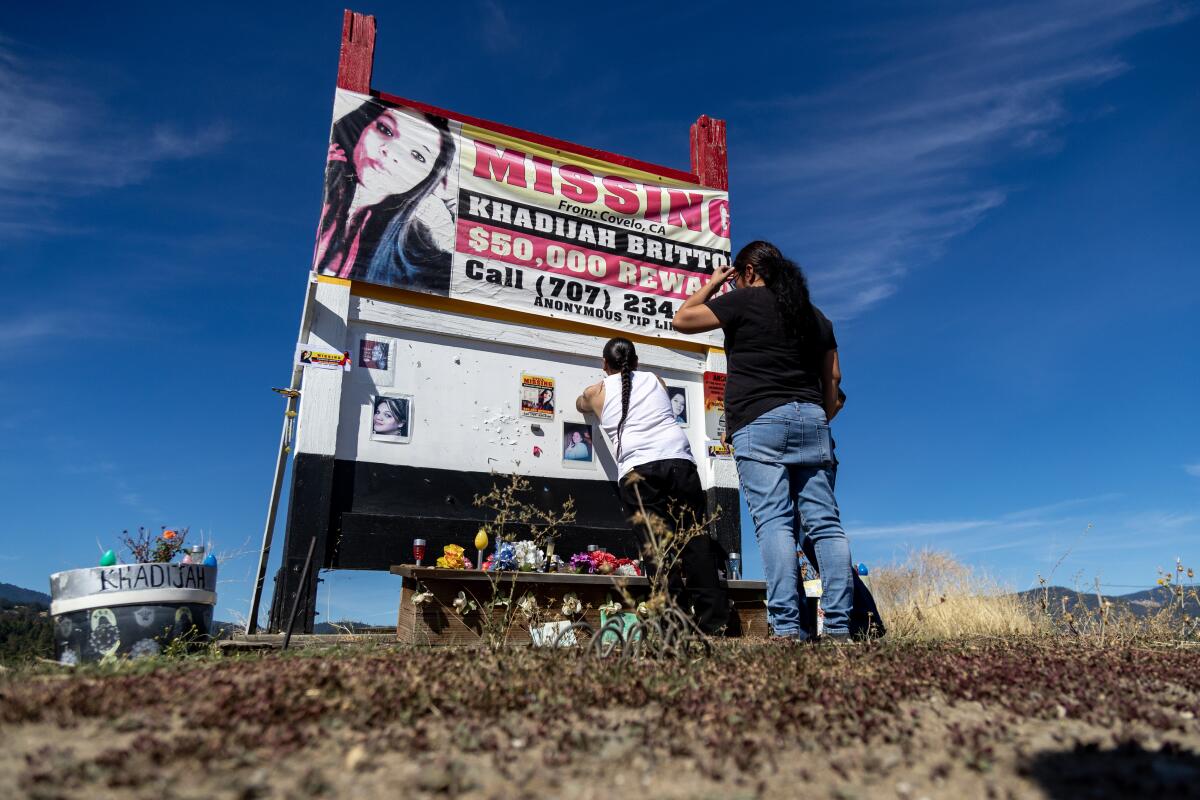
(651, 432)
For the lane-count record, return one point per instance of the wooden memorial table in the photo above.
(435, 621)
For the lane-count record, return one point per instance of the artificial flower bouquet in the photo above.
(523, 556)
(452, 558)
(599, 562)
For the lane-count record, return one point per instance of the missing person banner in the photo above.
(433, 205)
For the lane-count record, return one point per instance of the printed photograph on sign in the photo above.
(537, 396)
(391, 419)
(391, 185)
(679, 408)
(373, 354)
(577, 445)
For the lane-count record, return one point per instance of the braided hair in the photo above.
(620, 356)
(786, 281)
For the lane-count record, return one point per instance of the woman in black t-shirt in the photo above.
(781, 393)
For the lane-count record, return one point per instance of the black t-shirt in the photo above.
(767, 368)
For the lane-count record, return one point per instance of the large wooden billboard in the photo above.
(470, 273)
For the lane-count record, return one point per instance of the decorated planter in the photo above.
(129, 610)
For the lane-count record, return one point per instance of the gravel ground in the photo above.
(997, 718)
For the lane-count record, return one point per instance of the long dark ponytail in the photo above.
(786, 281)
(621, 356)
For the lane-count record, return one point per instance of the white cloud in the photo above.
(497, 30)
(877, 173)
(1192, 469)
(1079, 528)
(58, 139)
(31, 326)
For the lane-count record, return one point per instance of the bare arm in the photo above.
(831, 378)
(592, 400)
(694, 316)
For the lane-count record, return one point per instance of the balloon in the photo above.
(108, 559)
(481, 539)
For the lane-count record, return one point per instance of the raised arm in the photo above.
(592, 399)
(831, 378)
(696, 317)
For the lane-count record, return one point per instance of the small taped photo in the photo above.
(391, 419)
(578, 448)
(679, 404)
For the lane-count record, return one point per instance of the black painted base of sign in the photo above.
(365, 516)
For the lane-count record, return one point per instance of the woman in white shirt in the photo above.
(635, 411)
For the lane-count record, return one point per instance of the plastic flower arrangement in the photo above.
(627, 566)
(571, 605)
(529, 557)
(452, 558)
(603, 563)
(611, 607)
(462, 604)
(148, 548)
(528, 605)
(504, 559)
(581, 563)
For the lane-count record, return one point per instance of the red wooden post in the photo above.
(358, 52)
(710, 159)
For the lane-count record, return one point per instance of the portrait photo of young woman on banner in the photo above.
(391, 185)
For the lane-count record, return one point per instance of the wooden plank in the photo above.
(710, 159)
(437, 623)
(357, 56)
(321, 389)
(274, 641)
(570, 578)
(548, 578)
(560, 145)
(473, 322)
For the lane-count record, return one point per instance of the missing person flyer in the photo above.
(321, 359)
(537, 396)
(714, 404)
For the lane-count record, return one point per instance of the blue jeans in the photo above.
(785, 465)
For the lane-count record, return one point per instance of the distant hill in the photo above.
(17, 595)
(26, 631)
(1141, 604)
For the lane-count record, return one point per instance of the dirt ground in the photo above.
(1016, 718)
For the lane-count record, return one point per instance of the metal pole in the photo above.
(280, 466)
(301, 592)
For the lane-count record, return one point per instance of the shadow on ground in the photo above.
(1128, 770)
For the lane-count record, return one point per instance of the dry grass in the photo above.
(932, 596)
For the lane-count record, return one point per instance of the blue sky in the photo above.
(997, 204)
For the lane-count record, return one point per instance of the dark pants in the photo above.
(671, 489)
